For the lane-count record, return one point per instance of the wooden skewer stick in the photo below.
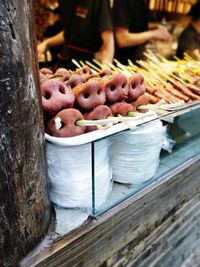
(189, 59)
(76, 63)
(170, 76)
(179, 79)
(179, 61)
(123, 68)
(112, 120)
(102, 66)
(133, 69)
(82, 63)
(166, 76)
(154, 74)
(113, 68)
(94, 68)
(149, 79)
(130, 62)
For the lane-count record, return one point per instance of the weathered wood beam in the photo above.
(24, 203)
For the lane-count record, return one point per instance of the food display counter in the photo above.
(120, 220)
(122, 193)
(111, 127)
(130, 222)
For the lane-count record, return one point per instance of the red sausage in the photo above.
(56, 96)
(152, 99)
(151, 90)
(171, 90)
(181, 87)
(68, 124)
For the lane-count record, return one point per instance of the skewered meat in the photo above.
(121, 108)
(141, 100)
(46, 71)
(115, 88)
(43, 77)
(89, 95)
(152, 99)
(137, 86)
(64, 124)
(56, 96)
(100, 112)
(74, 80)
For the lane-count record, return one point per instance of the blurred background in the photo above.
(170, 13)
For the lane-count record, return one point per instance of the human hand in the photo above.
(194, 53)
(98, 56)
(42, 48)
(161, 34)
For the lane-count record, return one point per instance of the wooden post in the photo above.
(24, 202)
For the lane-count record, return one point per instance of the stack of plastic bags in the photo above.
(70, 174)
(135, 154)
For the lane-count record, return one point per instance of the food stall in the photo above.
(144, 188)
(125, 194)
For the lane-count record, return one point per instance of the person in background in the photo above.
(87, 32)
(131, 29)
(189, 39)
(52, 30)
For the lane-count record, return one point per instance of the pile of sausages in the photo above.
(173, 92)
(70, 97)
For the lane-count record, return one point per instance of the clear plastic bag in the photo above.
(135, 154)
(70, 174)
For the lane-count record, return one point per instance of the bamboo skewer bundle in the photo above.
(155, 65)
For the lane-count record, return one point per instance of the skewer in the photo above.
(154, 74)
(185, 80)
(94, 68)
(123, 68)
(130, 63)
(82, 63)
(132, 116)
(113, 67)
(76, 63)
(98, 63)
(112, 120)
(162, 105)
(171, 77)
(102, 66)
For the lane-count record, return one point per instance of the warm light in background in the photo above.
(175, 6)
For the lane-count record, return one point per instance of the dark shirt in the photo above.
(131, 15)
(189, 39)
(51, 31)
(83, 23)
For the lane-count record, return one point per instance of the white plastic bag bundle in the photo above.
(135, 154)
(70, 174)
